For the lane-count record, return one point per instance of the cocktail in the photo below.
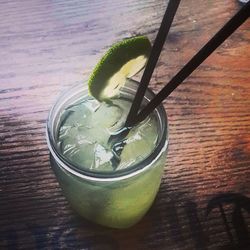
(111, 187)
(78, 131)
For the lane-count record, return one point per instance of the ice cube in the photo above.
(139, 143)
(78, 116)
(83, 156)
(107, 115)
(102, 157)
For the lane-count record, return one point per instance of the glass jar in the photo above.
(117, 199)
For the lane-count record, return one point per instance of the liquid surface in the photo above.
(86, 126)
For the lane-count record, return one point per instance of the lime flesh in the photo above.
(123, 60)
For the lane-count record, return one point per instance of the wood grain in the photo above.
(47, 46)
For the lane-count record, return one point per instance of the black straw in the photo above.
(197, 59)
(153, 58)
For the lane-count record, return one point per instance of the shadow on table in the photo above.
(186, 226)
(241, 239)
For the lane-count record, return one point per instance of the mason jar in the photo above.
(117, 199)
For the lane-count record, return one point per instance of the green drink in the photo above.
(78, 130)
(113, 185)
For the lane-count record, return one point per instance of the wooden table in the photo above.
(203, 202)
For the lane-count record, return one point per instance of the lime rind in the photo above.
(122, 60)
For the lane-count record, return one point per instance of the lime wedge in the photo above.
(123, 60)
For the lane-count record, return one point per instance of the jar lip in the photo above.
(119, 174)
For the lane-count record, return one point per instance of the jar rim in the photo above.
(85, 173)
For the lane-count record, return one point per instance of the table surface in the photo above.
(203, 201)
